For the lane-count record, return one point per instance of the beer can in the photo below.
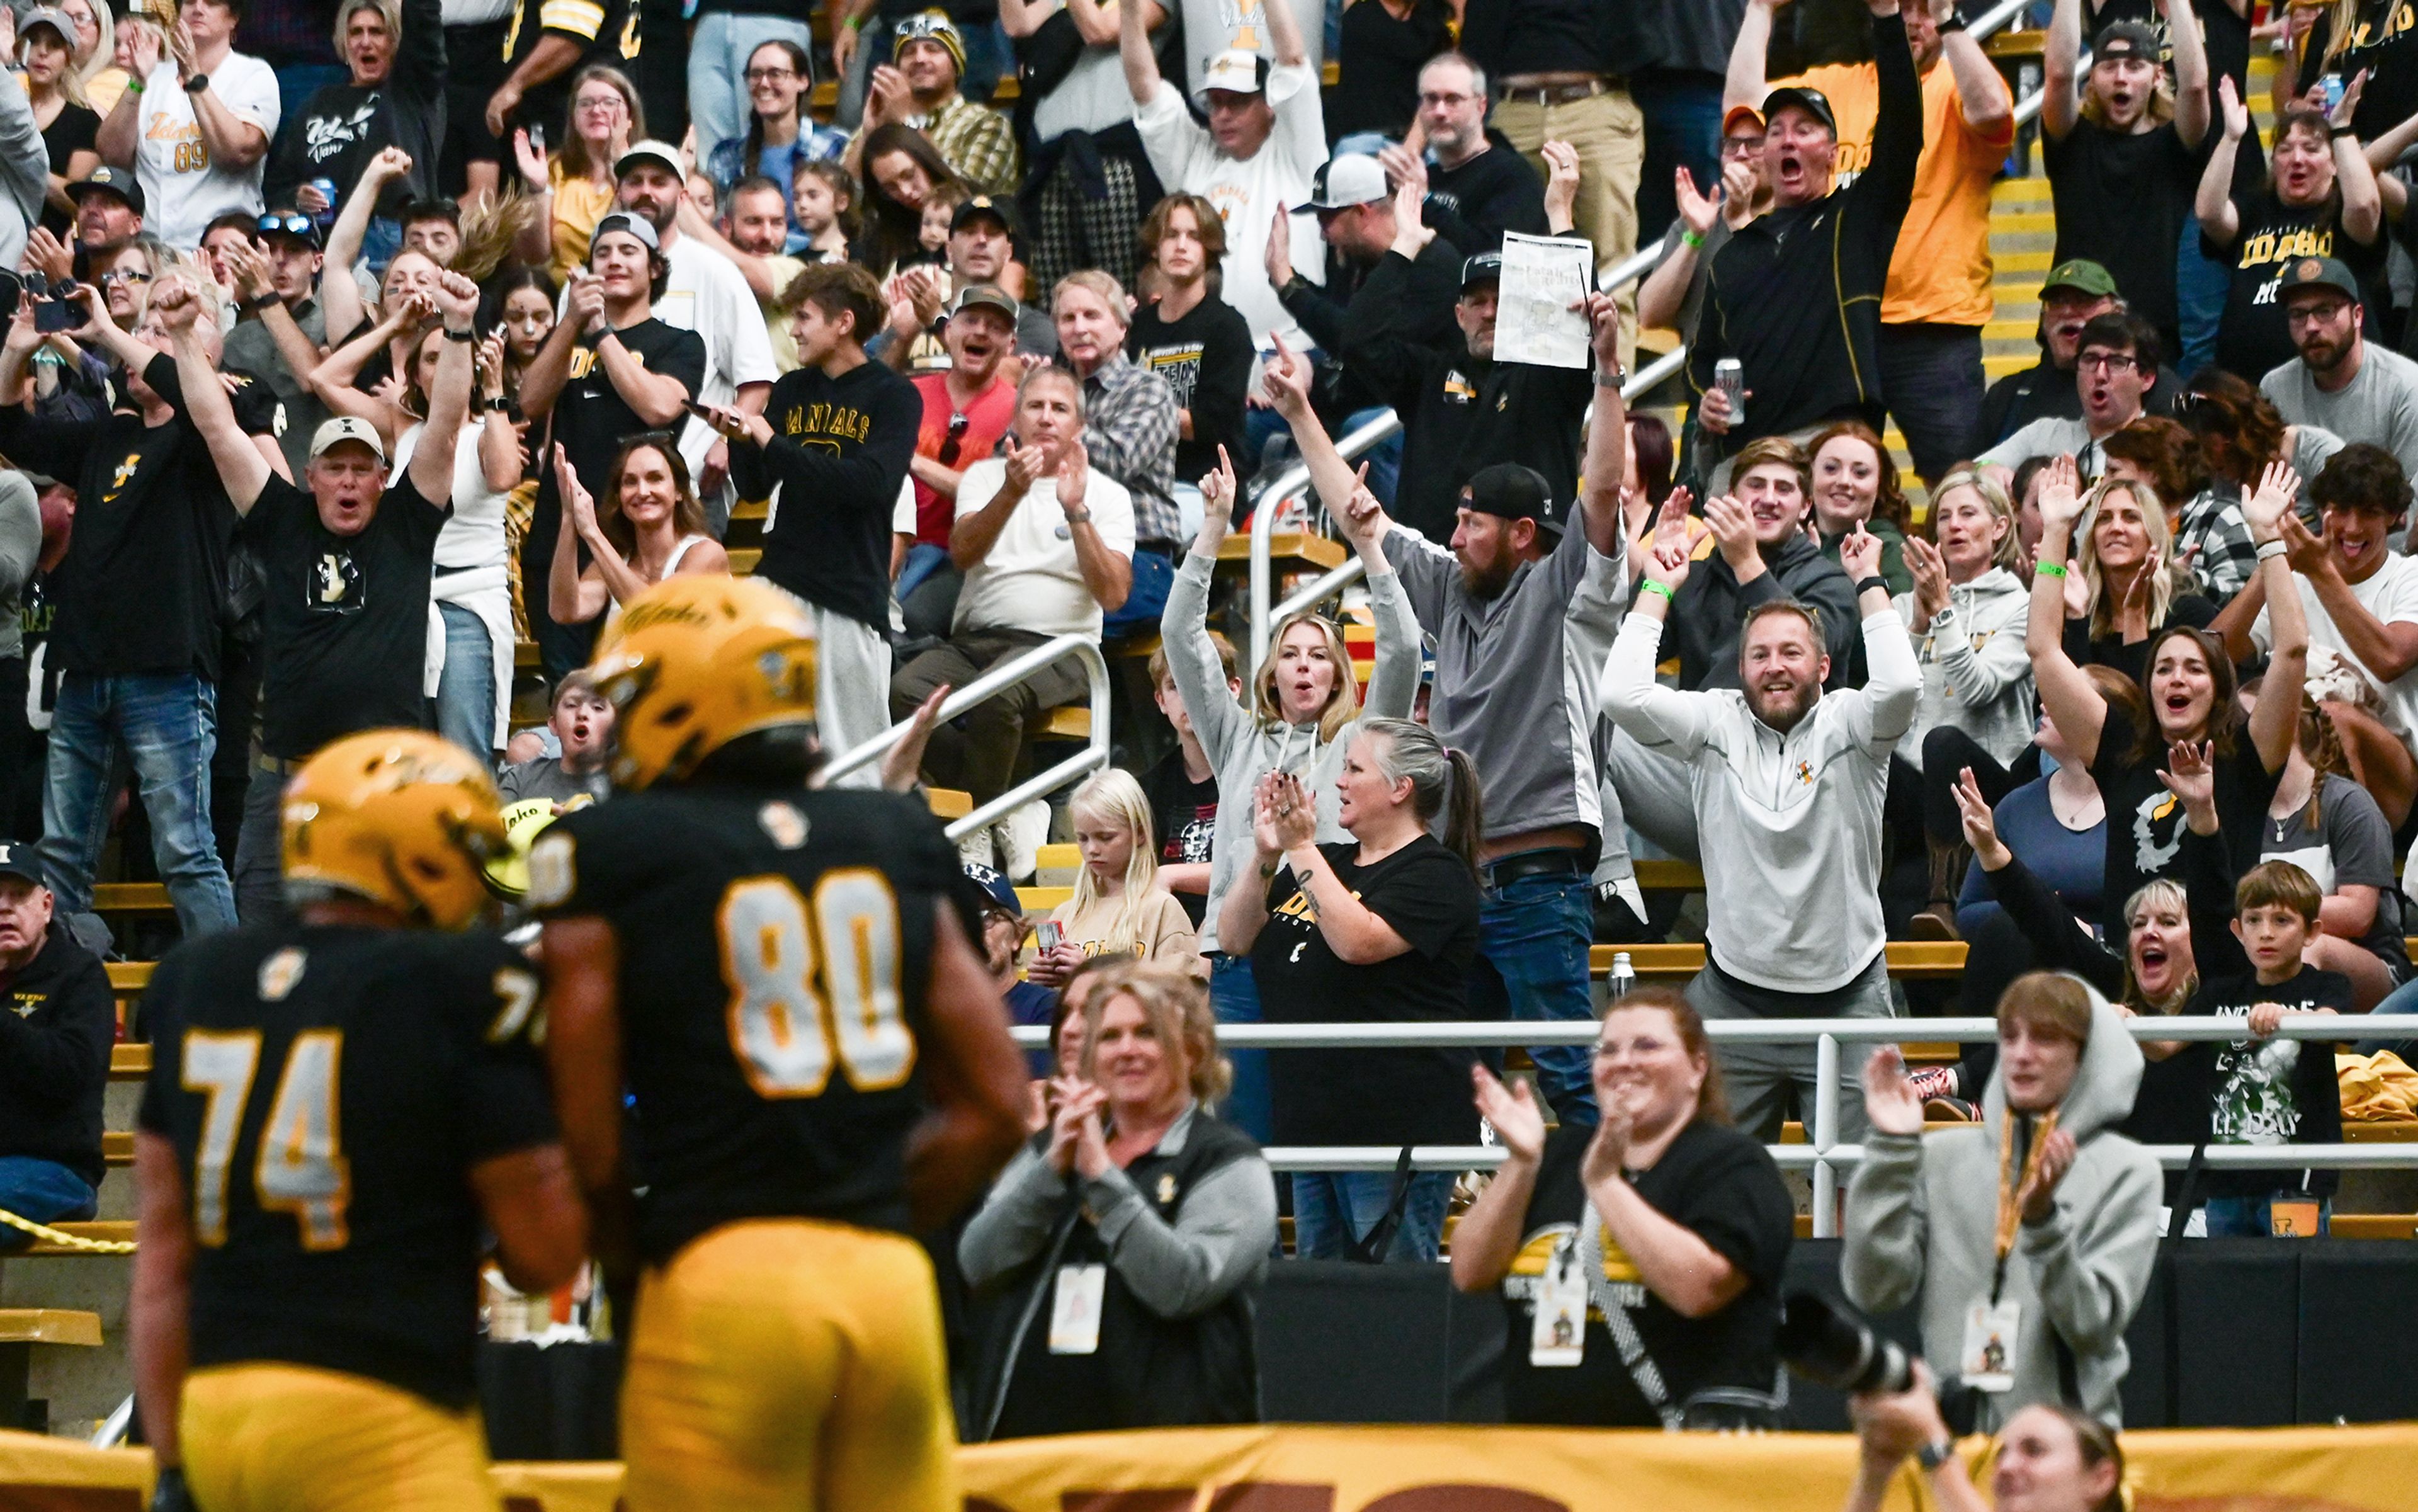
(1729, 375)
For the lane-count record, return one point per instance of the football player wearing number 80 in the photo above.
(339, 1104)
(819, 1062)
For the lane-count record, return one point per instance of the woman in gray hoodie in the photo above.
(2030, 1243)
(1966, 616)
(1297, 708)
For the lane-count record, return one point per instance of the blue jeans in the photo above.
(167, 726)
(466, 690)
(1683, 130)
(717, 68)
(259, 848)
(923, 559)
(2201, 283)
(1532, 964)
(1154, 574)
(987, 57)
(380, 243)
(44, 1191)
(1234, 998)
(2249, 1217)
(1332, 1211)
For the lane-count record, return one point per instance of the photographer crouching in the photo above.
(2049, 1458)
(2029, 1237)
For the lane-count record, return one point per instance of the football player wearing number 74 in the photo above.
(338, 1106)
(778, 976)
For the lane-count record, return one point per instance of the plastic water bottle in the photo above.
(1624, 977)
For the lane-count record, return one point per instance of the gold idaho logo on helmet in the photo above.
(400, 817)
(696, 661)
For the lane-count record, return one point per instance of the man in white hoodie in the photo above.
(1786, 783)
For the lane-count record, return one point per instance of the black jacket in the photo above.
(54, 1044)
(1419, 294)
(1796, 294)
(1473, 204)
(1459, 413)
(1711, 608)
(1160, 1372)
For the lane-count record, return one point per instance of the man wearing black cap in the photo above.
(2340, 382)
(1796, 294)
(982, 242)
(2123, 158)
(1460, 409)
(281, 329)
(54, 1043)
(1523, 610)
(108, 209)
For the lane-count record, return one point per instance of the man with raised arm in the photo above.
(1787, 783)
(348, 563)
(1523, 610)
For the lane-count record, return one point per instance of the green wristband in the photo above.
(1692, 239)
(1647, 585)
(2048, 569)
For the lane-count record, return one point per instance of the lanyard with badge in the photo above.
(1988, 1362)
(1575, 1276)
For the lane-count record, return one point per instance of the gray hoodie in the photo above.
(1242, 747)
(1922, 1213)
(1976, 674)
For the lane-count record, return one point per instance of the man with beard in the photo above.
(1462, 410)
(2115, 369)
(2074, 294)
(2342, 384)
(1523, 610)
(1787, 785)
(982, 241)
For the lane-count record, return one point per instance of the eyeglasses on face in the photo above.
(1444, 98)
(123, 275)
(756, 76)
(2110, 361)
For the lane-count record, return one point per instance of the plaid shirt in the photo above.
(976, 140)
(2214, 540)
(1130, 432)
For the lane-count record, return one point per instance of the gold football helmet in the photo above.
(696, 661)
(399, 817)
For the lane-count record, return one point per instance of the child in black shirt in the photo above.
(2267, 1091)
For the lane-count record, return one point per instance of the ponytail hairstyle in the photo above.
(2321, 745)
(1442, 780)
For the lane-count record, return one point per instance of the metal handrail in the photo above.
(1823, 1155)
(1014, 672)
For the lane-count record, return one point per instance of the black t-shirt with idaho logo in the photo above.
(1715, 1182)
(345, 619)
(2253, 338)
(775, 949)
(144, 580)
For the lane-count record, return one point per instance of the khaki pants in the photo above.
(1608, 131)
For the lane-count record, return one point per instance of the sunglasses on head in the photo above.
(292, 224)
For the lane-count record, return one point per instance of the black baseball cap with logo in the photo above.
(1486, 268)
(1811, 101)
(17, 859)
(984, 208)
(2125, 39)
(1510, 491)
(118, 182)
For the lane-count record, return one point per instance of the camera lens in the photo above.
(1833, 1346)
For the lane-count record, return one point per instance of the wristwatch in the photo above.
(1935, 1454)
(1945, 619)
(1876, 581)
(257, 305)
(1079, 516)
(198, 82)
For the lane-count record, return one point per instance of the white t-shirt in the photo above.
(1092, 97)
(474, 532)
(1030, 580)
(1247, 191)
(2391, 594)
(182, 190)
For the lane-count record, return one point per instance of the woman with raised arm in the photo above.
(1300, 702)
(2190, 684)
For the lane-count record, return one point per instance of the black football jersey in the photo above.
(328, 1090)
(775, 947)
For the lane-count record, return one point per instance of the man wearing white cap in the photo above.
(705, 294)
(1265, 138)
(347, 560)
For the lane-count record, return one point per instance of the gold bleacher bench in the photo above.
(20, 1330)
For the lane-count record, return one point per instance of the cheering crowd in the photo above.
(354, 348)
